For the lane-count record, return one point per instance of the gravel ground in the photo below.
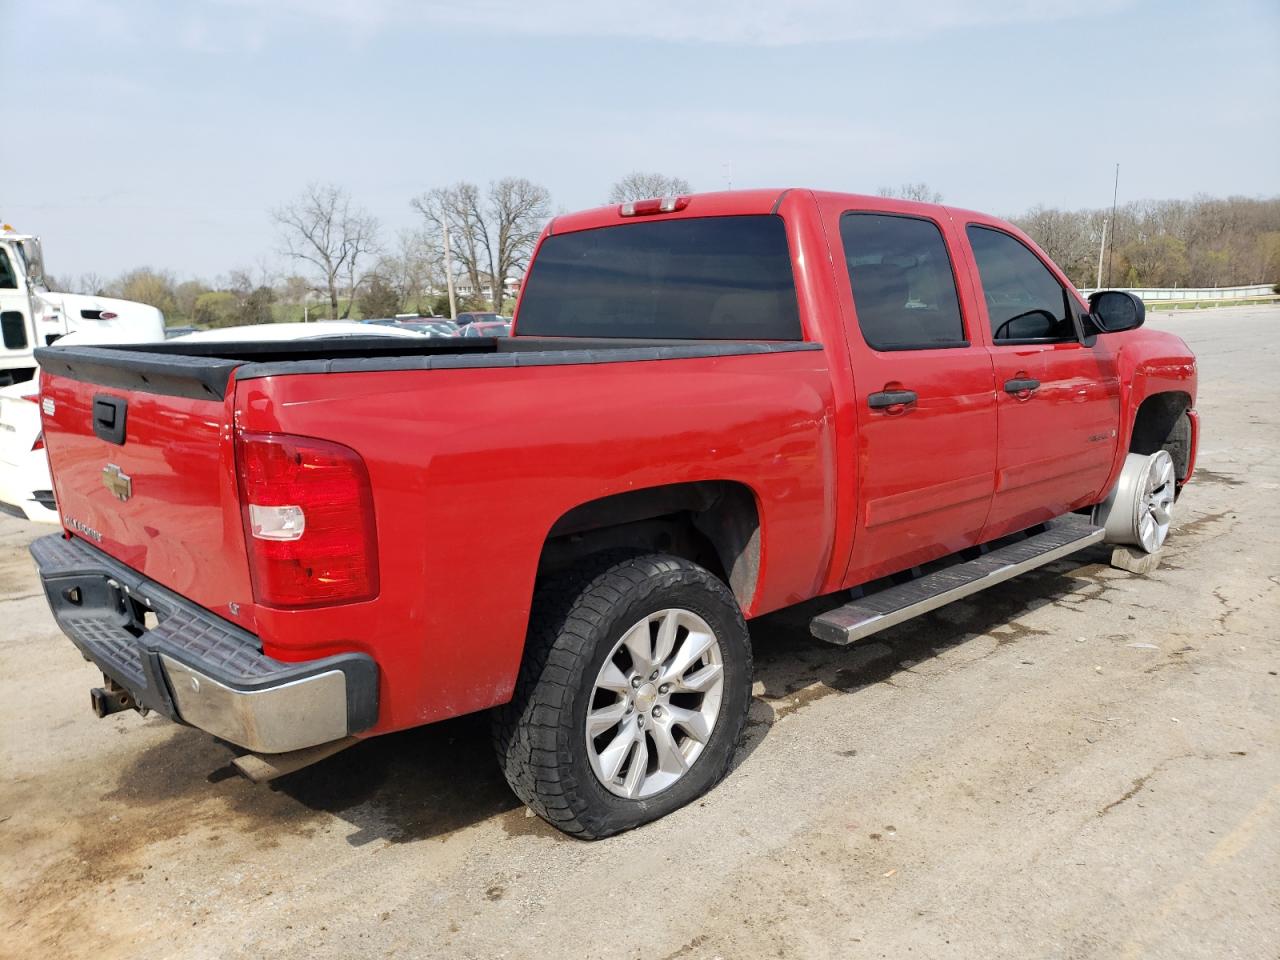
(1080, 763)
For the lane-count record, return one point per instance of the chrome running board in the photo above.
(893, 605)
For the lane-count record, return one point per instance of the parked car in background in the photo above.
(26, 489)
(466, 319)
(434, 328)
(171, 332)
(430, 326)
(313, 330)
(487, 328)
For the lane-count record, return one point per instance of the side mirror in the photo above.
(34, 257)
(1113, 311)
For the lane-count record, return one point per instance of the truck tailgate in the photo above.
(160, 495)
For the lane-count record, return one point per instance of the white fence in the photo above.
(1157, 294)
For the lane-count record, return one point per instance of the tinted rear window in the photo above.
(711, 278)
(904, 292)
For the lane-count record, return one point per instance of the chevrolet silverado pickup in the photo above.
(711, 407)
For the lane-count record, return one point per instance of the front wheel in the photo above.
(631, 697)
(1139, 509)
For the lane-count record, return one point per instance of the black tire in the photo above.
(576, 621)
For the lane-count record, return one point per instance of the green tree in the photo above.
(217, 308)
(153, 287)
(1159, 261)
(185, 296)
(378, 299)
(256, 307)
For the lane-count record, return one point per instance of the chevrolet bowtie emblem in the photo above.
(117, 481)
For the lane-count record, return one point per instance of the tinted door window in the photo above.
(1024, 300)
(13, 330)
(904, 292)
(8, 280)
(717, 278)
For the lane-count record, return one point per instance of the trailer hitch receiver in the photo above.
(111, 698)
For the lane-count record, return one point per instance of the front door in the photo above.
(1057, 399)
(925, 400)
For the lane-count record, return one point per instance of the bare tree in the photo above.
(518, 208)
(322, 228)
(1066, 236)
(912, 191)
(293, 290)
(490, 237)
(90, 283)
(1199, 242)
(638, 185)
(459, 207)
(414, 269)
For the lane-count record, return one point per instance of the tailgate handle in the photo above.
(108, 418)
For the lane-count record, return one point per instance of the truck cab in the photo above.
(32, 316)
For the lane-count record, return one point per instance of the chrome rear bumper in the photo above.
(195, 667)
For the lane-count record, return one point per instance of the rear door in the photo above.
(1058, 400)
(924, 395)
(149, 477)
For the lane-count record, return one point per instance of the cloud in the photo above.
(753, 23)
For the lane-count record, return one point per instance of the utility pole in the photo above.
(1101, 247)
(1111, 252)
(448, 273)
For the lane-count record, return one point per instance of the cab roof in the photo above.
(727, 203)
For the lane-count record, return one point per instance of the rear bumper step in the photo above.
(195, 667)
(893, 605)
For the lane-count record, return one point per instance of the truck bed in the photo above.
(476, 452)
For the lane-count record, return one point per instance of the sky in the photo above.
(161, 134)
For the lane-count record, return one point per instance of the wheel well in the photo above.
(714, 523)
(1162, 424)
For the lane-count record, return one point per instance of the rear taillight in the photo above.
(308, 521)
(647, 208)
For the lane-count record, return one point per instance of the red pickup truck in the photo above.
(711, 407)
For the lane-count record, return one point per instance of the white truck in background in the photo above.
(33, 316)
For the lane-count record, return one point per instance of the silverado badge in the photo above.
(84, 528)
(117, 481)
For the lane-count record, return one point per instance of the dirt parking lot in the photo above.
(1080, 763)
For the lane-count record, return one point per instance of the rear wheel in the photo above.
(1139, 509)
(632, 695)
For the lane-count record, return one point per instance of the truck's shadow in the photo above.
(795, 669)
(435, 780)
